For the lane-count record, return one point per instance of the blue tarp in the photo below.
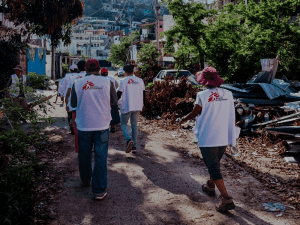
(273, 91)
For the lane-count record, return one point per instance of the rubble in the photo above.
(169, 100)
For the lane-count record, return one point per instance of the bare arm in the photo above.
(67, 98)
(192, 115)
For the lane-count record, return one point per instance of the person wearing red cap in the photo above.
(114, 109)
(92, 97)
(214, 129)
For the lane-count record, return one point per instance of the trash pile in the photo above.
(169, 99)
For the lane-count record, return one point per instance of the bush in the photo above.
(65, 68)
(18, 166)
(37, 81)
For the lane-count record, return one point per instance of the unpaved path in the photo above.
(161, 184)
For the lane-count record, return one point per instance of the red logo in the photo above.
(130, 81)
(88, 85)
(213, 97)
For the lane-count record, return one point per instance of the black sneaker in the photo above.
(129, 146)
(208, 189)
(133, 149)
(99, 196)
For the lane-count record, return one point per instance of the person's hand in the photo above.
(181, 121)
(68, 109)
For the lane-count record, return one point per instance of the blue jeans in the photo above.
(86, 140)
(133, 120)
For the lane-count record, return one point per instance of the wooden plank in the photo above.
(282, 134)
(285, 129)
(276, 120)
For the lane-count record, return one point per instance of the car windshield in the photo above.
(181, 74)
(121, 69)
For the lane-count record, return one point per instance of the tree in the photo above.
(46, 17)
(147, 58)
(188, 31)
(238, 36)
(120, 53)
(245, 34)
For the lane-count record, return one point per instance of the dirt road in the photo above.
(160, 184)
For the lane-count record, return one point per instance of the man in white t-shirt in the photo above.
(131, 94)
(81, 74)
(62, 90)
(114, 108)
(92, 97)
(214, 129)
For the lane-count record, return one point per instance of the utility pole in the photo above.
(131, 47)
(53, 62)
(157, 11)
(90, 47)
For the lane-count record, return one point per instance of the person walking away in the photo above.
(92, 97)
(114, 109)
(64, 83)
(215, 129)
(131, 94)
(81, 74)
(15, 88)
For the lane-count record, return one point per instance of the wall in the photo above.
(48, 65)
(34, 62)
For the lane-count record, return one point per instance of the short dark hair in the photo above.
(81, 65)
(128, 68)
(57, 82)
(92, 68)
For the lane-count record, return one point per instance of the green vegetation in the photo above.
(120, 53)
(19, 168)
(36, 81)
(237, 37)
(147, 58)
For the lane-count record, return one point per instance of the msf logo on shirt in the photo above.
(131, 81)
(90, 86)
(215, 97)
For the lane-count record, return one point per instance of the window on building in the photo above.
(78, 52)
(160, 26)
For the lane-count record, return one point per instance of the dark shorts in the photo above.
(212, 157)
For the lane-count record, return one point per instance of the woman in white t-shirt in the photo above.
(215, 129)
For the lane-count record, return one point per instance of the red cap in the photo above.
(104, 70)
(90, 61)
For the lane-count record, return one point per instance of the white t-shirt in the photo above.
(93, 103)
(215, 126)
(63, 84)
(132, 89)
(70, 85)
(114, 81)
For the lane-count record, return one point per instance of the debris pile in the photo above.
(169, 99)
